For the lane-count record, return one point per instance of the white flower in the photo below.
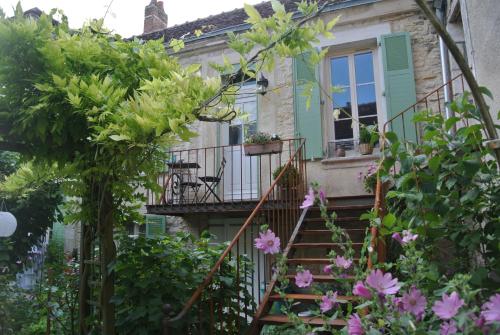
(370, 249)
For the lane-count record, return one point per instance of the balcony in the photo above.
(226, 179)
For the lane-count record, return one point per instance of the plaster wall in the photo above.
(481, 19)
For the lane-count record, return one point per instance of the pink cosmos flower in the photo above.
(383, 283)
(328, 269)
(491, 309)
(448, 328)
(309, 199)
(414, 302)
(328, 302)
(354, 325)
(448, 307)
(303, 278)
(341, 262)
(361, 290)
(268, 242)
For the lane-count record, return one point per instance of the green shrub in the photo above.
(153, 272)
(289, 179)
(447, 188)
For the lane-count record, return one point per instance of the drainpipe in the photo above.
(440, 6)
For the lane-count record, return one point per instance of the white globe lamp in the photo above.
(8, 224)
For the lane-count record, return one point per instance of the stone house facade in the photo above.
(385, 56)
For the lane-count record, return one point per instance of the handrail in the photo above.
(209, 278)
(424, 100)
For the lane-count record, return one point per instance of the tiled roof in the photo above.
(219, 22)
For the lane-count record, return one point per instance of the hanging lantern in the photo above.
(8, 224)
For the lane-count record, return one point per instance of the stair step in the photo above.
(307, 297)
(340, 219)
(282, 319)
(326, 231)
(322, 245)
(312, 260)
(324, 278)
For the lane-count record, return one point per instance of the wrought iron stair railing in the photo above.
(226, 302)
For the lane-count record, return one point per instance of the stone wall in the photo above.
(339, 177)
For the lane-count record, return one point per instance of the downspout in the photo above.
(440, 6)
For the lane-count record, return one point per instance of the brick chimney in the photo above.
(155, 17)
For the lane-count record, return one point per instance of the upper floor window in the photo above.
(354, 75)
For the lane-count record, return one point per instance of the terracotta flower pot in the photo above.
(365, 148)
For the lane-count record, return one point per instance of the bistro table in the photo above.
(180, 177)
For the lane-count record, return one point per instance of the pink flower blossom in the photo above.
(328, 302)
(309, 199)
(361, 290)
(322, 196)
(383, 283)
(328, 269)
(341, 262)
(354, 325)
(268, 242)
(448, 307)
(414, 302)
(303, 278)
(448, 328)
(407, 237)
(397, 237)
(491, 309)
(398, 303)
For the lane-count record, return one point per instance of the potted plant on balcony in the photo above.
(262, 143)
(368, 136)
(288, 183)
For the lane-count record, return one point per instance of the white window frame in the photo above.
(350, 53)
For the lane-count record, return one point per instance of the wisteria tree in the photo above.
(103, 109)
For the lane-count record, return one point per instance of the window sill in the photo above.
(350, 161)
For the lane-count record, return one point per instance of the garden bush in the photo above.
(447, 189)
(153, 272)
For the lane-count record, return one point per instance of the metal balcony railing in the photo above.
(218, 177)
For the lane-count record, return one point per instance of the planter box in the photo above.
(263, 149)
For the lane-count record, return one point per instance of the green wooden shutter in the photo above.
(399, 83)
(307, 121)
(155, 226)
(58, 232)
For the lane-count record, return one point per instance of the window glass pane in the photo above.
(250, 129)
(368, 121)
(363, 64)
(340, 71)
(235, 135)
(343, 129)
(366, 100)
(342, 101)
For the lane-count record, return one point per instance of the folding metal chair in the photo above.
(212, 182)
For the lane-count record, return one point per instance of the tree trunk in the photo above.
(108, 252)
(84, 296)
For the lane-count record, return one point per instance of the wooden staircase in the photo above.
(309, 248)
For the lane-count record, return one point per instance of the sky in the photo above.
(126, 17)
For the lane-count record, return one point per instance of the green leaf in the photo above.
(118, 138)
(449, 123)
(434, 163)
(253, 15)
(486, 91)
(389, 220)
(176, 45)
